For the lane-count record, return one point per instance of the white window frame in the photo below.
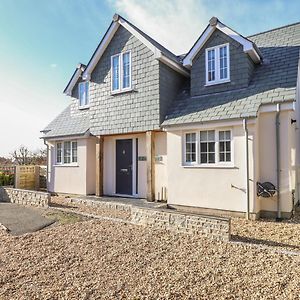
(121, 89)
(87, 93)
(191, 163)
(218, 163)
(62, 163)
(217, 65)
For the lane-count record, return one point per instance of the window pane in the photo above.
(115, 73)
(203, 135)
(203, 158)
(126, 70)
(203, 147)
(211, 158)
(67, 152)
(211, 65)
(86, 93)
(190, 147)
(223, 62)
(58, 152)
(211, 147)
(74, 151)
(211, 135)
(222, 156)
(225, 146)
(82, 93)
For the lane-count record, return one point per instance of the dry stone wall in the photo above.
(213, 227)
(24, 197)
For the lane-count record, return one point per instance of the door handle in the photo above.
(124, 170)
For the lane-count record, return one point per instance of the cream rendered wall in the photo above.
(161, 162)
(109, 164)
(75, 179)
(267, 158)
(211, 187)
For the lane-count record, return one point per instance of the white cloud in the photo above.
(53, 66)
(175, 24)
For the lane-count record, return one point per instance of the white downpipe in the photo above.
(247, 168)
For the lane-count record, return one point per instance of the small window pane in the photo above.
(126, 70)
(59, 153)
(211, 147)
(211, 135)
(115, 72)
(203, 147)
(67, 152)
(223, 62)
(211, 65)
(211, 158)
(203, 158)
(83, 93)
(74, 151)
(190, 147)
(225, 146)
(203, 136)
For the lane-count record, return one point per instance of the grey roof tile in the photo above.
(66, 124)
(274, 81)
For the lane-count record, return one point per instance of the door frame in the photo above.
(134, 167)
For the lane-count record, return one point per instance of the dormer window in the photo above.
(121, 72)
(83, 91)
(217, 64)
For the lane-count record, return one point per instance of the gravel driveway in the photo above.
(105, 260)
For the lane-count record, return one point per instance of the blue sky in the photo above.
(42, 41)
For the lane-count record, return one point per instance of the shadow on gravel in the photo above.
(237, 238)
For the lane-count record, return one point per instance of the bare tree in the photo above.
(23, 156)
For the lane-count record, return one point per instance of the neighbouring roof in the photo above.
(272, 82)
(66, 124)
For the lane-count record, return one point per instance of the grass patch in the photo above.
(64, 218)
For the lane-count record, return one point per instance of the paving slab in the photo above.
(21, 219)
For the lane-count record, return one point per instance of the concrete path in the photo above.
(20, 219)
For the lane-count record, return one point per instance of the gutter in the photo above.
(245, 125)
(277, 124)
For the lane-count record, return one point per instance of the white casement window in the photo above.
(121, 72)
(208, 148)
(217, 64)
(190, 148)
(83, 91)
(66, 152)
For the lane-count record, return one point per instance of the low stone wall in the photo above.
(102, 204)
(24, 197)
(213, 227)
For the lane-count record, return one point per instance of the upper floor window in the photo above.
(121, 72)
(83, 90)
(66, 152)
(217, 64)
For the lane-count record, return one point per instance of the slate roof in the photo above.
(272, 82)
(67, 124)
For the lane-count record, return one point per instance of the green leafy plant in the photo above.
(6, 179)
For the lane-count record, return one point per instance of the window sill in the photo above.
(207, 166)
(84, 107)
(66, 165)
(113, 93)
(217, 82)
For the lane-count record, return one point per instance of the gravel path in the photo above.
(285, 234)
(105, 260)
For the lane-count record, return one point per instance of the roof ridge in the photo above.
(273, 29)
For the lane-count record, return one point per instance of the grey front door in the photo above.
(124, 167)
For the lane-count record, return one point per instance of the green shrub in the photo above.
(6, 179)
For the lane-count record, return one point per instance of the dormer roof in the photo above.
(248, 46)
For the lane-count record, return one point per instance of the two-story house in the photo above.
(203, 131)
